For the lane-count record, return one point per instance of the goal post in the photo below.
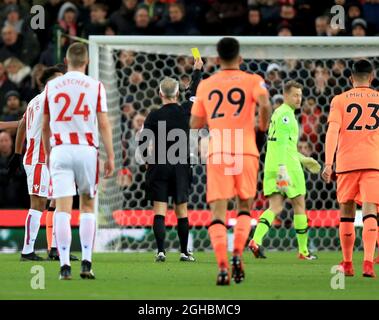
(132, 66)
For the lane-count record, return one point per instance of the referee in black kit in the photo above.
(168, 178)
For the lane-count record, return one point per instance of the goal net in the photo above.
(131, 68)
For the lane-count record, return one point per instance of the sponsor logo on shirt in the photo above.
(286, 120)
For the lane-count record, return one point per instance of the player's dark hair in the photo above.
(228, 49)
(362, 68)
(62, 67)
(48, 73)
(292, 84)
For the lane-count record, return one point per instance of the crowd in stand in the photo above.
(24, 52)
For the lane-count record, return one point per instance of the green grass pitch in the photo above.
(137, 276)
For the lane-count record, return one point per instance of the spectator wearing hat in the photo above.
(273, 67)
(359, 27)
(23, 7)
(14, 18)
(353, 11)
(273, 77)
(48, 56)
(14, 109)
(24, 47)
(68, 24)
(5, 86)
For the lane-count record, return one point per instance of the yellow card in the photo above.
(196, 53)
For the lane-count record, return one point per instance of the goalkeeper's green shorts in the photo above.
(295, 188)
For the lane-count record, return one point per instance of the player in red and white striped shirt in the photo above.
(74, 111)
(38, 178)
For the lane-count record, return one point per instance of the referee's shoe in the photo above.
(187, 257)
(160, 257)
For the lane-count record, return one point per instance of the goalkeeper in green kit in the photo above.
(283, 173)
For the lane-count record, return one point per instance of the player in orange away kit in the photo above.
(359, 202)
(354, 128)
(226, 102)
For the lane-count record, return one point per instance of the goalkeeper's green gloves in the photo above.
(309, 163)
(282, 179)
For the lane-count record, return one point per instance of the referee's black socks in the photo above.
(183, 232)
(159, 231)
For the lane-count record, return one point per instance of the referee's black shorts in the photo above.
(164, 181)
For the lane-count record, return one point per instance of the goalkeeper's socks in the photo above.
(264, 224)
(218, 235)
(183, 232)
(301, 228)
(63, 236)
(159, 229)
(32, 224)
(241, 232)
(377, 219)
(49, 229)
(347, 238)
(87, 230)
(369, 236)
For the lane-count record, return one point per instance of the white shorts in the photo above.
(74, 166)
(38, 179)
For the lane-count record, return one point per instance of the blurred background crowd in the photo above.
(24, 53)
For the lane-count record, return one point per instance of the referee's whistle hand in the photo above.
(108, 168)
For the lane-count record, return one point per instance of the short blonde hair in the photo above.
(77, 55)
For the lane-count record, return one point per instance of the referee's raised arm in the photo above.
(197, 75)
